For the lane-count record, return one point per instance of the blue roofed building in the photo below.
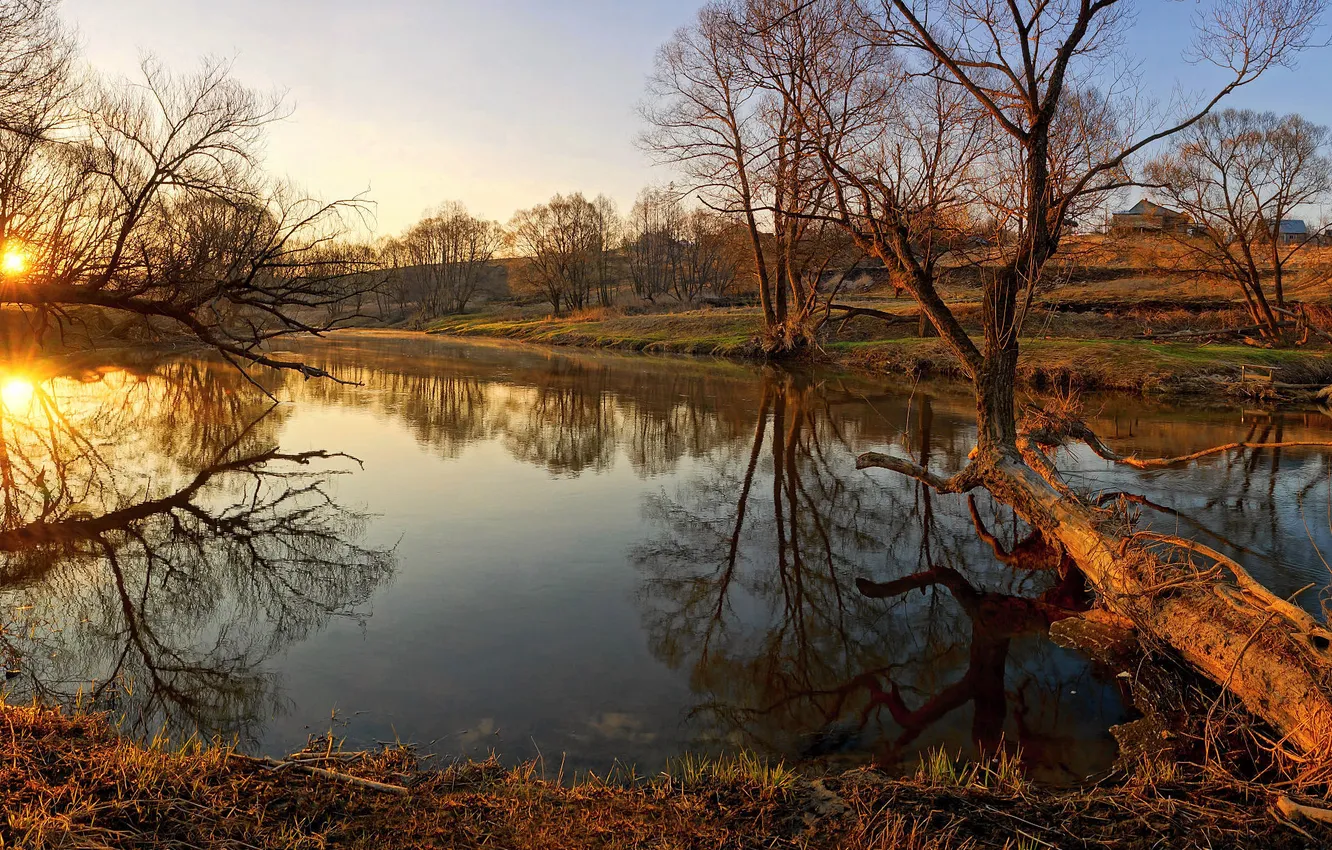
(1292, 231)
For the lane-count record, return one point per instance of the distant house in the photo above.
(1292, 231)
(1147, 217)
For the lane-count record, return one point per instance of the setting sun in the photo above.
(14, 262)
(16, 394)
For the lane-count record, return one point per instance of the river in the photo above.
(599, 560)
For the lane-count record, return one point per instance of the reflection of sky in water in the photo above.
(561, 527)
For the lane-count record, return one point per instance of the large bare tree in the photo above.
(715, 114)
(923, 117)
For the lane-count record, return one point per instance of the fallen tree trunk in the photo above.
(869, 312)
(1244, 331)
(1275, 658)
(1270, 655)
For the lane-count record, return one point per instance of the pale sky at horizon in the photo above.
(498, 104)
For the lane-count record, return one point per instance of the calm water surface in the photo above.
(593, 558)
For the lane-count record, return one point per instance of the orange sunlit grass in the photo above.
(13, 261)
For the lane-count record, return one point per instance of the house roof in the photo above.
(1144, 207)
(1292, 226)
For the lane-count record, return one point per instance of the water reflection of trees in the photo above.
(568, 414)
(1271, 509)
(815, 610)
(157, 549)
(756, 583)
(567, 422)
(169, 553)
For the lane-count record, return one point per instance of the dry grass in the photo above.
(593, 314)
(69, 782)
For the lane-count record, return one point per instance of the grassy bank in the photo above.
(724, 333)
(1129, 365)
(1136, 366)
(71, 782)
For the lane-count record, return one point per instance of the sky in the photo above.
(498, 103)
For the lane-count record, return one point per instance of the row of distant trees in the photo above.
(1236, 173)
(573, 251)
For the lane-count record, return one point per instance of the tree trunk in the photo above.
(924, 327)
(995, 417)
(1259, 308)
(1274, 657)
(1278, 284)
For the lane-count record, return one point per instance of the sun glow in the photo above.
(16, 394)
(13, 262)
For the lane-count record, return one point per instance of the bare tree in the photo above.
(706, 264)
(562, 242)
(451, 250)
(651, 243)
(607, 228)
(392, 257)
(1239, 174)
(717, 114)
(146, 198)
(703, 110)
(1021, 113)
(37, 54)
(673, 250)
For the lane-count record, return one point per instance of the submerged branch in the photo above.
(1056, 432)
(1105, 452)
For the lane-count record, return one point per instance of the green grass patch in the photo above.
(745, 768)
(716, 332)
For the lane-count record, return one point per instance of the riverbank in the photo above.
(1137, 366)
(72, 782)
